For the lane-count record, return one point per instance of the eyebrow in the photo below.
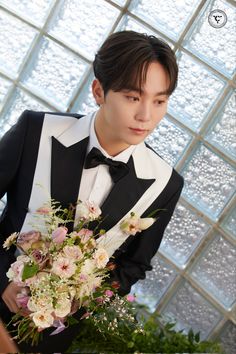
(135, 89)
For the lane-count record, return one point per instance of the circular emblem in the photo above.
(217, 18)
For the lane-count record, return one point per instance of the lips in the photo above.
(138, 131)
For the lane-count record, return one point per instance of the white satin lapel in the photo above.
(147, 165)
(68, 130)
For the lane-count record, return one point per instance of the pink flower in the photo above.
(59, 235)
(134, 224)
(15, 272)
(88, 211)
(109, 293)
(39, 257)
(22, 300)
(63, 267)
(25, 240)
(130, 298)
(73, 252)
(85, 235)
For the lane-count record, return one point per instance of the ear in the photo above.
(98, 92)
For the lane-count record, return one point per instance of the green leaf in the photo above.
(29, 271)
(72, 321)
(197, 337)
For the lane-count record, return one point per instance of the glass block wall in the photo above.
(46, 51)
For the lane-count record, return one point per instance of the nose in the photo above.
(143, 113)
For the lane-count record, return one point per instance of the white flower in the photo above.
(73, 252)
(134, 224)
(42, 303)
(88, 267)
(101, 257)
(10, 240)
(43, 319)
(15, 272)
(63, 267)
(88, 211)
(62, 307)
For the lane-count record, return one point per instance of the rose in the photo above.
(40, 258)
(73, 252)
(15, 271)
(130, 298)
(43, 319)
(22, 300)
(109, 293)
(59, 235)
(101, 257)
(62, 307)
(88, 211)
(84, 235)
(25, 240)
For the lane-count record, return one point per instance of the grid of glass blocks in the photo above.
(16, 37)
(73, 25)
(183, 235)
(151, 290)
(209, 181)
(215, 270)
(167, 16)
(222, 133)
(54, 73)
(190, 310)
(197, 92)
(229, 223)
(207, 42)
(46, 54)
(169, 140)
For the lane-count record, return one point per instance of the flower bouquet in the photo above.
(61, 272)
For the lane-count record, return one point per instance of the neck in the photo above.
(105, 139)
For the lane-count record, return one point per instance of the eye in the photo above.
(132, 98)
(158, 102)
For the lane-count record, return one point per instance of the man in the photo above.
(135, 75)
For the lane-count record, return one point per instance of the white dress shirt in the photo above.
(96, 183)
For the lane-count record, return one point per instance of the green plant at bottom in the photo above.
(144, 336)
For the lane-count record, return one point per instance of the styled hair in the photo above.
(123, 59)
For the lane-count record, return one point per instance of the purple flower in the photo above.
(25, 240)
(59, 234)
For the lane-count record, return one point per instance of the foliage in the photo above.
(145, 336)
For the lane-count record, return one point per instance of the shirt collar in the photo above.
(93, 142)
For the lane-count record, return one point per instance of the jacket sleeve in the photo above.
(11, 147)
(133, 262)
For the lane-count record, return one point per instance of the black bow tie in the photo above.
(117, 169)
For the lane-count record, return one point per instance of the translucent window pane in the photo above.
(16, 38)
(169, 141)
(33, 10)
(183, 234)
(215, 270)
(209, 182)
(4, 88)
(168, 16)
(222, 133)
(120, 2)
(150, 290)
(191, 310)
(84, 24)
(20, 101)
(54, 73)
(229, 222)
(207, 42)
(85, 103)
(196, 94)
(131, 24)
(227, 338)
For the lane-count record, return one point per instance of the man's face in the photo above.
(127, 117)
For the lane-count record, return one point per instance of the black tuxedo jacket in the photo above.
(50, 148)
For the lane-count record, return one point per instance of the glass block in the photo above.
(83, 24)
(130, 24)
(209, 181)
(197, 92)
(4, 89)
(16, 38)
(229, 223)
(227, 338)
(207, 42)
(170, 17)
(215, 270)
(150, 290)
(222, 133)
(34, 11)
(54, 73)
(85, 103)
(190, 310)
(20, 101)
(119, 2)
(183, 235)
(169, 141)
